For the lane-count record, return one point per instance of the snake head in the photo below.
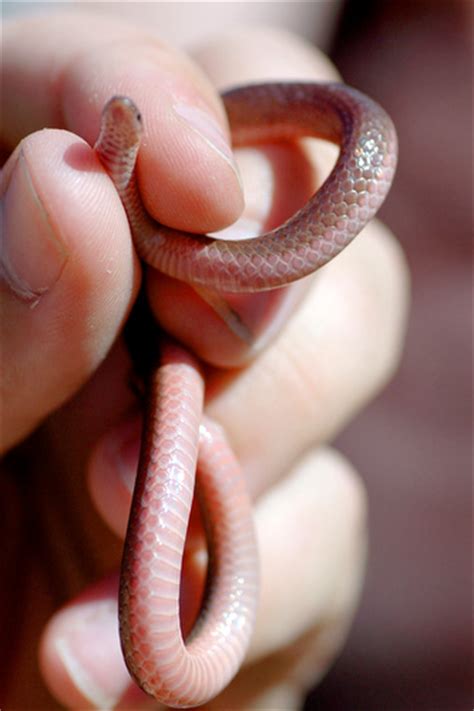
(122, 121)
(117, 147)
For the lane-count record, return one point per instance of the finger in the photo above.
(321, 488)
(326, 562)
(310, 581)
(68, 271)
(245, 55)
(344, 340)
(283, 680)
(80, 655)
(269, 201)
(187, 175)
(322, 502)
(112, 470)
(234, 58)
(339, 349)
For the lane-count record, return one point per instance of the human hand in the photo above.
(295, 394)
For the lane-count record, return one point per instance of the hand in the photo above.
(340, 334)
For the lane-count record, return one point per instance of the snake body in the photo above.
(176, 438)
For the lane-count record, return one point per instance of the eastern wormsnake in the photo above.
(178, 673)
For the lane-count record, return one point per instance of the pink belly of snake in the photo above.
(177, 440)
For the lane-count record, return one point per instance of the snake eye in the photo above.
(139, 117)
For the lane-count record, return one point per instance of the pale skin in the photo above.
(280, 411)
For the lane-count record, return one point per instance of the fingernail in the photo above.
(123, 449)
(90, 654)
(32, 255)
(207, 127)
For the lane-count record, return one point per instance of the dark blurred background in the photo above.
(410, 647)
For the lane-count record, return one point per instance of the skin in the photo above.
(299, 374)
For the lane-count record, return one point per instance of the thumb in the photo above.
(68, 276)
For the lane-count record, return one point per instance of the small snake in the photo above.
(177, 438)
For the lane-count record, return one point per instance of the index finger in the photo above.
(58, 71)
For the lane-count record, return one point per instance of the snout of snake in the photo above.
(177, 438)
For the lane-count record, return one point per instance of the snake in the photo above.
(183, 452)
